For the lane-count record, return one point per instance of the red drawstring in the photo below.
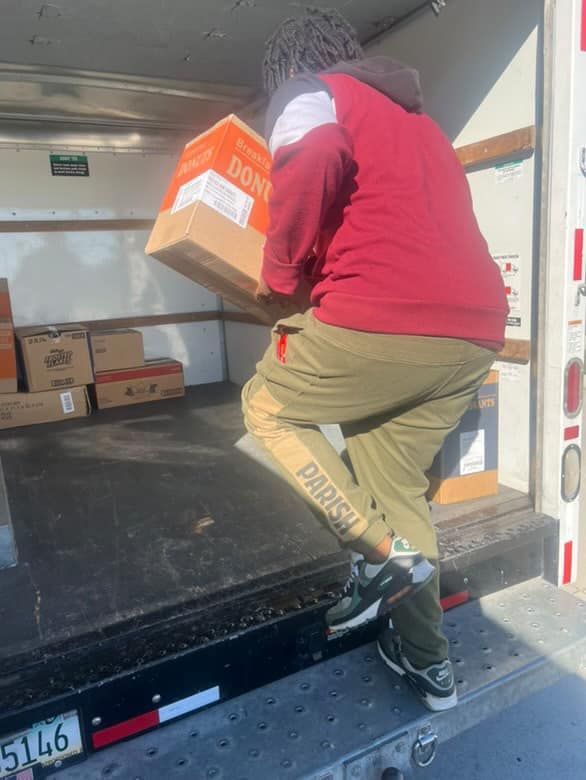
(282, 348)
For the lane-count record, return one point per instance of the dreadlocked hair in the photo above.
(314, 42)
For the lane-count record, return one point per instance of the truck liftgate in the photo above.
(349, 717)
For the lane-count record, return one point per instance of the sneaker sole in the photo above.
(422, 573)
(366, 616)
(433, 703)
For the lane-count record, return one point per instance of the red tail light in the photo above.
(573, 387)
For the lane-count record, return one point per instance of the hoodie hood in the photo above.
(395, 80)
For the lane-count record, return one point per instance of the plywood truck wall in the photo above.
(66, 275)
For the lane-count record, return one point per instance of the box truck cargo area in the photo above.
(151, 561)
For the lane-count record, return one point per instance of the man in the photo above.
(371, 207)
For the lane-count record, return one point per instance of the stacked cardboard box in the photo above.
(155, 380)
(114, 349)
(8, 375)
(124, 377)
(467, 465)
(55, 358)
(18, 409)
(59, 363)
(56, 369)
(23, 408)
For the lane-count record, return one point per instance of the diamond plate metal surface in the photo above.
(350, 717)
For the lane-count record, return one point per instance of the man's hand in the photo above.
(264, 294)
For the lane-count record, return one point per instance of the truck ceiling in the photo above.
(65, 59)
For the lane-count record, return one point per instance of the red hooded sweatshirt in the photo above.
(370, 201)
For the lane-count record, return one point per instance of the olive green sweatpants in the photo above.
(395, 398)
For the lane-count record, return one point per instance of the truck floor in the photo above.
(143, 512)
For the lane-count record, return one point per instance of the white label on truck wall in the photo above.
(471, 452)
(219, 194)
(510, 265)
(507, 172)
(576, 339)
(67, 403)
(508, 372)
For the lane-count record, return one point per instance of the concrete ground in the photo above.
(542, 738)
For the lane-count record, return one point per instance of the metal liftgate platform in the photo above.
(351, 718)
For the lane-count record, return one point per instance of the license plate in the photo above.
(44, 743)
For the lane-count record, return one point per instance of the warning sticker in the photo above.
(69, 165)
(510, 267)
(472, 458)
(507, 172)
(217, 193)
(576, 339)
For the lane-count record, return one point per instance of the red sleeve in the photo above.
(306, 178)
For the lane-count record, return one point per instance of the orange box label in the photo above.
(241, 187)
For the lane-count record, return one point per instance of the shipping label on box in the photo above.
(156, 380)
(18, 409)
(55, 358)
(466, 467)
(114, 349)
(212, 223)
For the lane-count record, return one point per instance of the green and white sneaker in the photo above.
(374, 590)
(434, 685)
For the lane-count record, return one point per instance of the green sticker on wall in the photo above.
(69, 165)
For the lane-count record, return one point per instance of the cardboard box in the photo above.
(212, 222)
(8, 365)
(55, 358)
(5, 303)
(156, 380)
(8, 380)
(113, 349)
(17, 409)
(467, 465)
